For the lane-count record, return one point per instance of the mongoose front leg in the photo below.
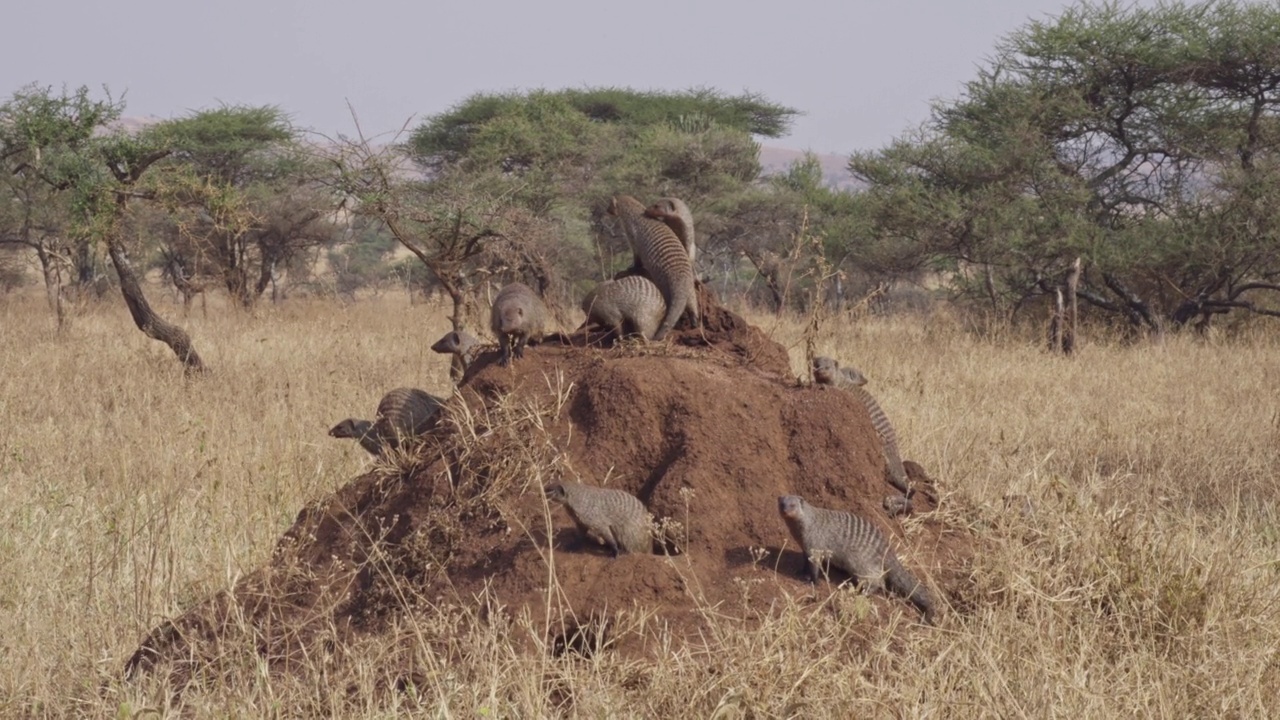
(810, 570)
(896, 505)
(519, 351)
(504, 344)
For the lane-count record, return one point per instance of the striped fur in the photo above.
(826, 371)
(853, 544)
(613, 517)
(663, 257)
(403, 413)
(517, 313)
(677, 216)
(632, 304)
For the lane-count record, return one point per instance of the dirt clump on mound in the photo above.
(707, 433)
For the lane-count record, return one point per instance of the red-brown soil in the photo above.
(708, 430)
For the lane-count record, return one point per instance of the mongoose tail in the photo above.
(899, 580)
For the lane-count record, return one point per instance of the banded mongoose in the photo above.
(517, 313)
(853, 544)
(663, 257)
(403, 413)
(679, 218)
(613, 517)
(632, 304)
(827, 371)
(462, 345)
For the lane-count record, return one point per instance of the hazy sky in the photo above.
(861, 71)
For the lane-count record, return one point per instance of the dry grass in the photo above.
(1145, 583)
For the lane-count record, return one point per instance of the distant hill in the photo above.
(835, 170)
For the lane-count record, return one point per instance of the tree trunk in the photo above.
(1056, 322)
(1073, 308)
(52, 286)
(152, 325)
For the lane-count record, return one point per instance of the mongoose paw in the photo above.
(896, 505)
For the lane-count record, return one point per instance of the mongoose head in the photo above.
(512, 317)
(351, 428)
(667, 209)
(454, 343)
(791, 507)
(556, 493)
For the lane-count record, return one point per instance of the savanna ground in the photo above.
(1146, 581)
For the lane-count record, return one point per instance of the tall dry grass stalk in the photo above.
(1145, 582)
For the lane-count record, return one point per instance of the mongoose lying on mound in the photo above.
(826, 371)
(854, 545)
(663, 258)
(612, 517)
(632, 304)
(462, 345)
(517, 313)
(403, 413)
(677, 216)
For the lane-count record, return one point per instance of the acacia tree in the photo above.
(42, 134)
(1142, 140)
(448, 222)
(568, 151)
(107, 179)
(244, 196)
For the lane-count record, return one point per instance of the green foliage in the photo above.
(451, 136)
(243, 192)
(1121, 135)
(49, 163)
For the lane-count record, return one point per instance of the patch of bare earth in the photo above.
(707, 431)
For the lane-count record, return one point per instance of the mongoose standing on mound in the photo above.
(854, 545)
(632, 304)
(462, 345)
(663, 257)
(679, 218)
(517, 313)
(403, 413)
(826, 371)
(613, 517)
